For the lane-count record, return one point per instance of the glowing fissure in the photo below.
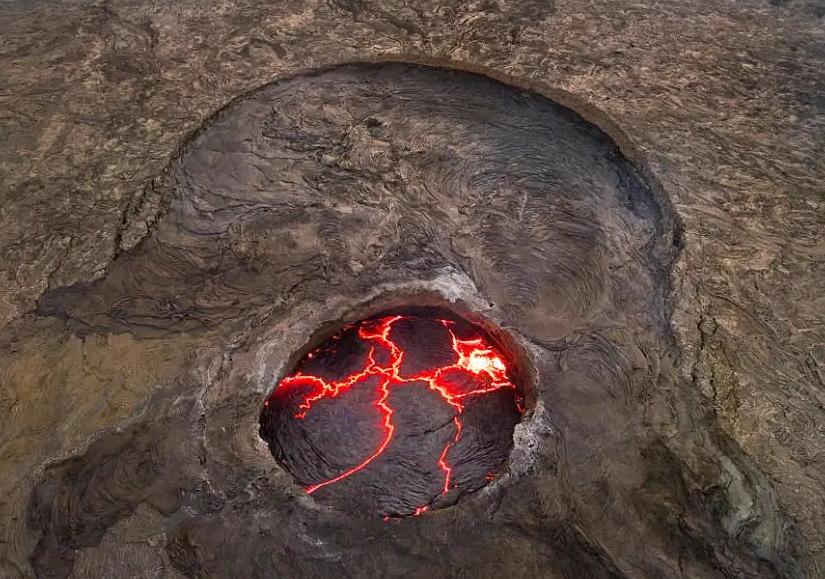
(475, 357)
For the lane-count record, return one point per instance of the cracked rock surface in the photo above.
(396, 415)
(175, 226)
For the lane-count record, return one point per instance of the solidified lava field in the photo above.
(318, 207)
(395, 415)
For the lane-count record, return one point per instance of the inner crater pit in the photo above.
(397, 414)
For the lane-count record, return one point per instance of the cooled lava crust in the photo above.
(395, 415)
(341, 189)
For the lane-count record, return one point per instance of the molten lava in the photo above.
(477, 369)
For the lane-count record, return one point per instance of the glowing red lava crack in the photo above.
(473, 357)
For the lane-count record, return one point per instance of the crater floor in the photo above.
(396, 415)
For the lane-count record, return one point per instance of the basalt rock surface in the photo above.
(654, 289)
(396, 415)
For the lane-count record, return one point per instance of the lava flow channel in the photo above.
(474, 358)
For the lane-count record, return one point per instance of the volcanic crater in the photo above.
(329, 193)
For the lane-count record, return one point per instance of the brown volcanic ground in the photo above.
(665, 311)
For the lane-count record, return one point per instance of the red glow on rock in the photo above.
(478, 369)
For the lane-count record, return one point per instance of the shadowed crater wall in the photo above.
(326, 198)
